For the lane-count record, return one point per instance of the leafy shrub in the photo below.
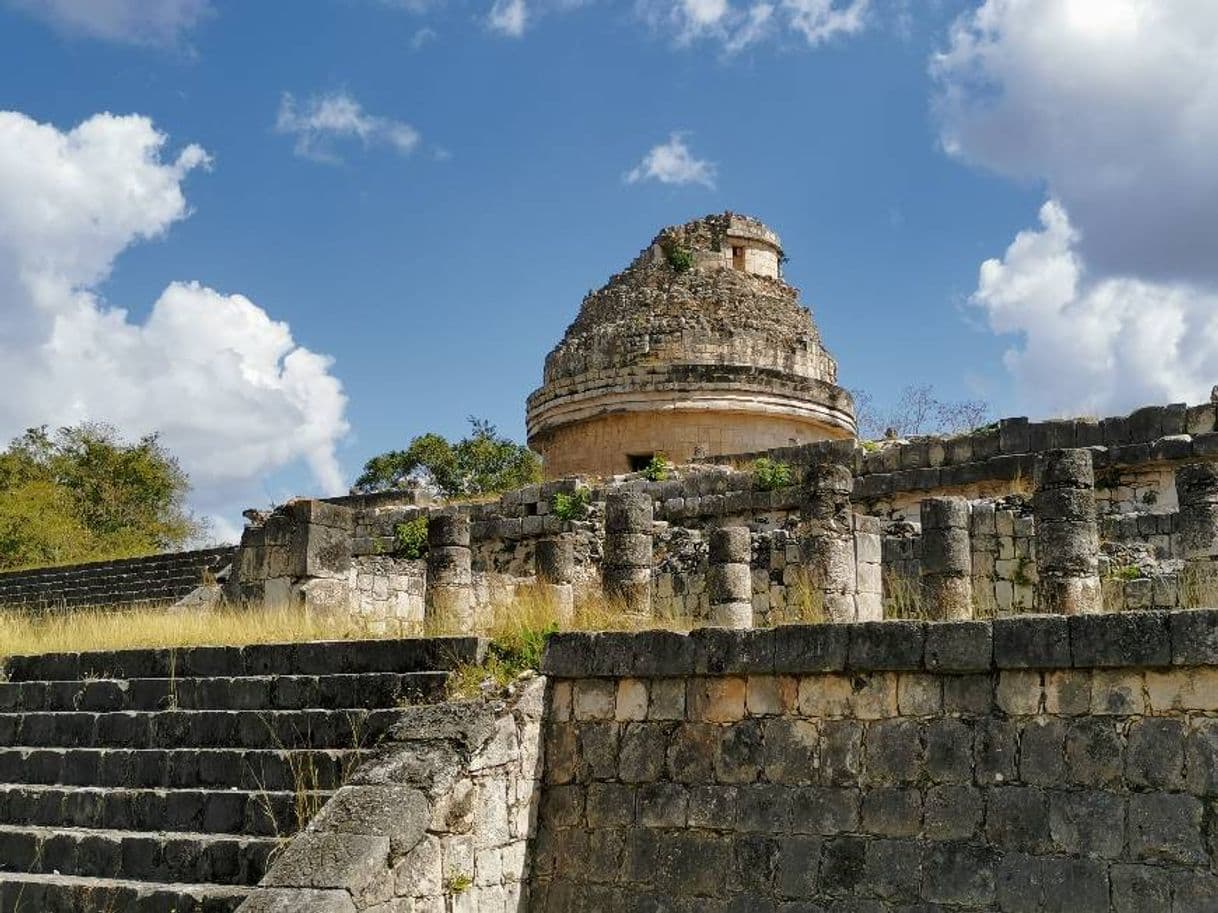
(658, 469)
(1128, 572)
(679, 258)
(573, 506)
(411, 537)
(771, 474)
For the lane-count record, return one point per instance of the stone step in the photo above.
(282, 729)
(135, 855)
(227, 811)
(38, 893)
(180, 768)
(256, 692)
(417, 654)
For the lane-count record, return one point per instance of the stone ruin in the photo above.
(712, 546)
(1030, 744)
(699, 350)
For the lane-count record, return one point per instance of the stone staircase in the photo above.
(161, 781)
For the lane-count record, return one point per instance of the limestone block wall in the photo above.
(1039, 763)
(1135, 459)
(388, 593)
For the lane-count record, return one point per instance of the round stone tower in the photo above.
(696, 349)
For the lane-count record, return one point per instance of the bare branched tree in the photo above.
(917, 411)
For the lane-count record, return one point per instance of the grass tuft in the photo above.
(82, 630)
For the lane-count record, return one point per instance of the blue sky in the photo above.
(423, 192)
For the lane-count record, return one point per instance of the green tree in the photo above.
(481, 463)
(85, 494)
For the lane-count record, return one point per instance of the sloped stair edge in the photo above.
(445, 805)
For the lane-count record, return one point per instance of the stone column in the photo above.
(947, 564)
(556, 574)
(730, 577)
(829, 545)
(1197, 492)
(450, 580)
(626, 571)
(1067, 534)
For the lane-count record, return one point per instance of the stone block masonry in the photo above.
(450, 598)
(628, 550)
(947, 565)
(1042, 763)
(1067, 534)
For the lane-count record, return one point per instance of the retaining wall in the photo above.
(1039, 763)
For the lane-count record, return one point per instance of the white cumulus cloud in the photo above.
(1113, 105)
(228, 388)
(154, 22)
(672, 163)
(322, 122)
(1095, 344)
(737, 26)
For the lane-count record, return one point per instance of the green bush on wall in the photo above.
(769, 474)
(658, 469)
(573, 506)
(411, 537)
(679, 258)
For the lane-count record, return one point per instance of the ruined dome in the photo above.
(697, 348)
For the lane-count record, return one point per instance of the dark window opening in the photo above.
(738, 258)
(639, 461)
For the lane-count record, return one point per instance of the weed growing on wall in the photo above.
(769, 475)
(411, 537)
(658, 469)
(572, 506)
(679, 258)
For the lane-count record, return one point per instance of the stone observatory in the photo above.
(697, 349)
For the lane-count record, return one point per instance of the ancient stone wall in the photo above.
(1040, 763)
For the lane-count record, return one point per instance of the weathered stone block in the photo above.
(952, 812)
(628, 512)
(887, 645)
(891, 812)
(959, 646)
(1042, 760)
(841, 752)
(1154, 756)
(739, 753)
(1032, 642)
(995, 750)
(1137, 888)
(1087, 823)
(1166, 828)
(971, 695)
(1194, 637)
(1094, 752)
(1134, 639)
(959, 873)
(1017, 817)
(810, 648)
(1020, 880)
(1075, 886)
(642, 752)
(894, 751)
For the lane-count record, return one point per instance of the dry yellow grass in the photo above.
(80, 630)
